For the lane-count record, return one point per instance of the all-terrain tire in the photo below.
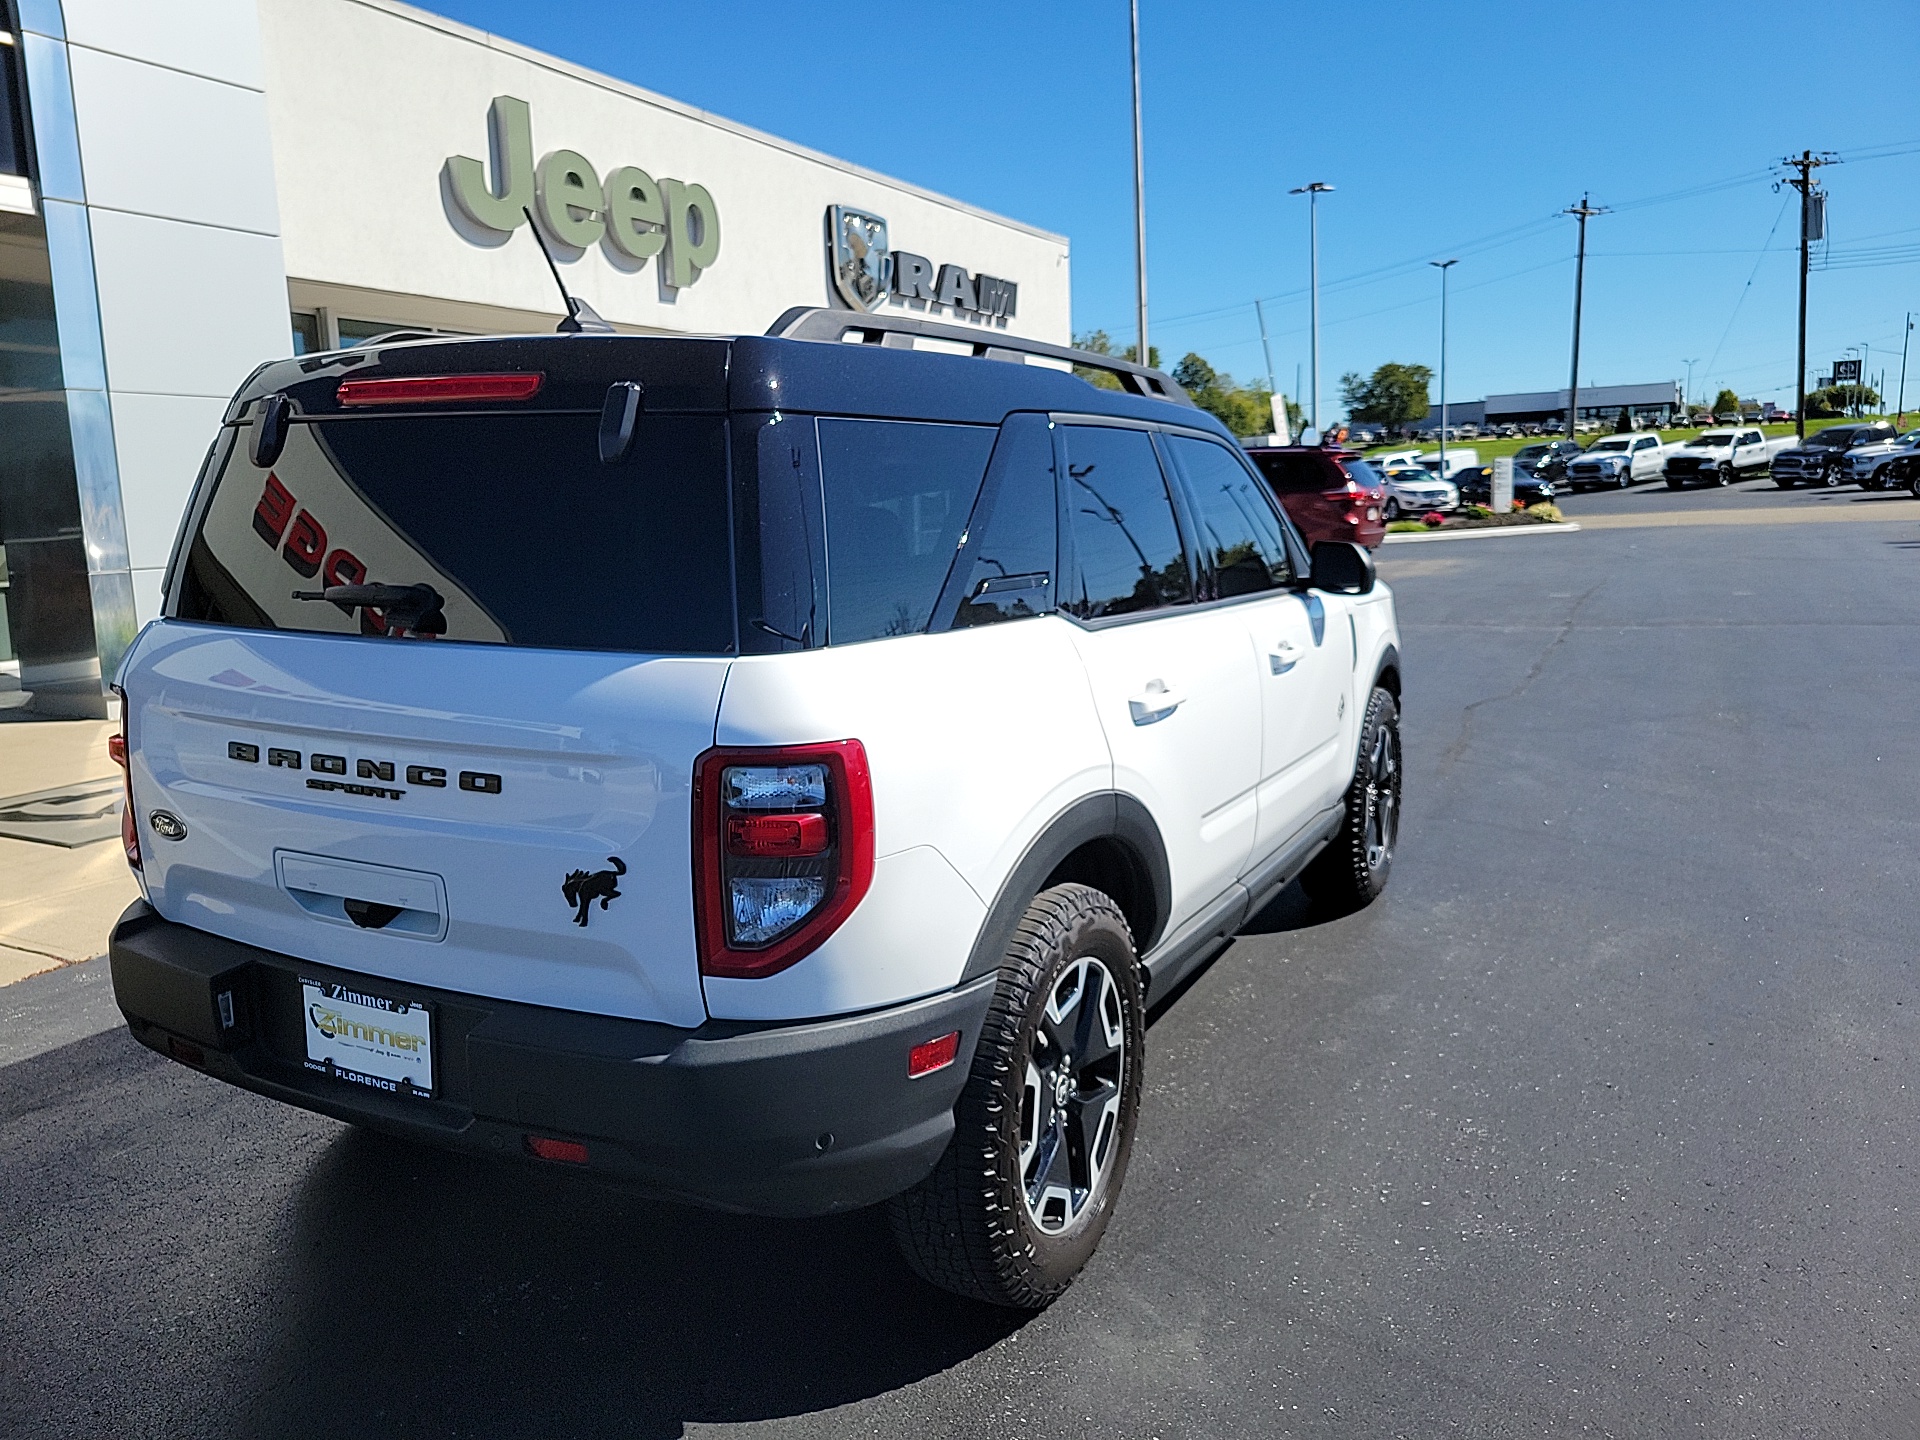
(971, 1226)
(1352, 871)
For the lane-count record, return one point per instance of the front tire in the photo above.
(1352, 871)
(1830, 478)
(1044, 1127)
(1391, 510)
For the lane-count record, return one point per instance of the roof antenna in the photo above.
(580, 315)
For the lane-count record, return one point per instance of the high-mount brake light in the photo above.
(439, 389)
(117, 752)
(783, 852)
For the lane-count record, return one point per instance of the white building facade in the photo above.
(187, 191)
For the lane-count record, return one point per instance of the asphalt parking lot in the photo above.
(1600, 1123)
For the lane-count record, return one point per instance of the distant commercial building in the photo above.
(1657, 402)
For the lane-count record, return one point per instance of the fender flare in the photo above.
(1389, 660)
(1107, 815)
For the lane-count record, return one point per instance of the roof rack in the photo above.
(897, 332)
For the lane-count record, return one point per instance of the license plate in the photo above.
(368, 1039)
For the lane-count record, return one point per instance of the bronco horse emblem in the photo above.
(582, 888)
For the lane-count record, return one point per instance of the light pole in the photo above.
(1853, 349)
(1866, 359)
(1313, 192)
(1686, 395)
(1143, 355)
(1443, 266)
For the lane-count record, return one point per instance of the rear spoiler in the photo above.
(897, 332)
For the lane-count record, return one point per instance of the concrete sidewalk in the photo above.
(56, 903)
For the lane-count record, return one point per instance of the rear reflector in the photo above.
(775, 835)
(932, 1055)
(570, 1152)
(439, 389)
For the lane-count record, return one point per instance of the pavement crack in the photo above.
(1455, 752)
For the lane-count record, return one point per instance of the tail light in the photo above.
(117, 752)
(783, 852)
(439, 389)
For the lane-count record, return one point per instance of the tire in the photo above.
(1391, 510)
(1723, 475)
(1352, 871)
(1047, 1114)
(1913, 484)
(1830, 478)
(1626, 478)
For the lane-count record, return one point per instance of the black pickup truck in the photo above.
(1821, 458)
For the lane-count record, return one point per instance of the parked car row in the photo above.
(1867, 455)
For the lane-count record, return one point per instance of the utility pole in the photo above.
(1584, 212)
(1686, 395)
(1806, 162)
(1443, 266)
(1901, 418)
(1143, 355)
(1313, 192)
(1866, 359)
(1265, 348)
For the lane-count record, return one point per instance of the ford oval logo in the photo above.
(167, 825)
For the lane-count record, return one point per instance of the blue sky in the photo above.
(1448, 129)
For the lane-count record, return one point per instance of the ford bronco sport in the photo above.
(776, 774)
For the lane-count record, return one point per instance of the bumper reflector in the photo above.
(932, 1055)
(570, 1152)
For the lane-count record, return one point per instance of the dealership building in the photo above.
(187, 191)
(1656, 403)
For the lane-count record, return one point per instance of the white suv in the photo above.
(775, 774)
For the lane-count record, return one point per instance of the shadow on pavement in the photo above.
(450, 1296)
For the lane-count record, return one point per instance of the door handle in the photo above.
(1283, 656)
(1155, 702)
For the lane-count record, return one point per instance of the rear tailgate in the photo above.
(313, 770)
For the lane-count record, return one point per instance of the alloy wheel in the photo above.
(1383, 796)
(1070, 1104)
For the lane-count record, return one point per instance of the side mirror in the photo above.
(1341, 567)
(270, 430)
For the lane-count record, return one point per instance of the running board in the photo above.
(1183, 952)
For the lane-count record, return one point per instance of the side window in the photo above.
(1126, 546)
(1645, 442)
(897, 495)
(1293, 473)
(1012, 536)
(1241, 551)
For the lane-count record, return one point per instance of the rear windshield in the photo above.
(513, 521)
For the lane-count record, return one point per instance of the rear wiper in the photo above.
(406, 609)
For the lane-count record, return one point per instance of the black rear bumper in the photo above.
(789, 1119)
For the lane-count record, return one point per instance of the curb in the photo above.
(1558, 527)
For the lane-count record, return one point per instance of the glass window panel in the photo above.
(1127, 552)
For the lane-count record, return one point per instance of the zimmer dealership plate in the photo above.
(368, 1039)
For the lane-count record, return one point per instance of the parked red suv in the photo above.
(1330, 494)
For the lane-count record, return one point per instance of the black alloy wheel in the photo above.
(1044, 1125)
(1723, 475)
(1352, 871)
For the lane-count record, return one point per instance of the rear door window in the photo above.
(897, 496)
(512, 519)
(1126, 544)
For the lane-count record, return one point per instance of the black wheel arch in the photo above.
(1386, 675)
(1106, 840)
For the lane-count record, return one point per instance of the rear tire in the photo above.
(1352, 871)
(1044, 1127)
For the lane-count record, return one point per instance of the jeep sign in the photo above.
(630, 211)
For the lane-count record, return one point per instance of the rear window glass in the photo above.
(1293, 473)
(512, 519)
(897, 495)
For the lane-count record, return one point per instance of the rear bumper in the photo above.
(795, 1119)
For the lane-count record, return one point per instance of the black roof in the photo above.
(718, 374)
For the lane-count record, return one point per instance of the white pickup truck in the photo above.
(1451, 464)
(1719, 457)
(1619, 461)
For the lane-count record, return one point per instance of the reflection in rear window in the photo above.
(527, 537)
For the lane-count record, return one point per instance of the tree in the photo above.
(1099, 342)
(1394, 394)
(1245, 410)
(1727, 402)
(1623, 422)
(1847, 399)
